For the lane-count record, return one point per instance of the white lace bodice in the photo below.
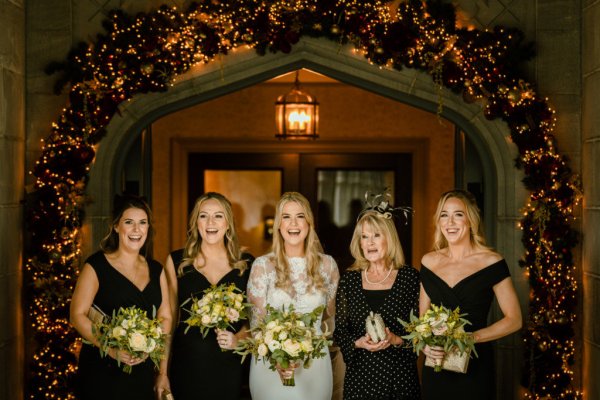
(262, 291)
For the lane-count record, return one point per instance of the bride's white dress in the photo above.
(313, 383)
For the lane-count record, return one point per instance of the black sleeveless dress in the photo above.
(199, 368)
(474, 295)
(100, 377)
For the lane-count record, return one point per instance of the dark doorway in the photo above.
(335, 185)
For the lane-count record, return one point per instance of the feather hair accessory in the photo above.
(381, 203)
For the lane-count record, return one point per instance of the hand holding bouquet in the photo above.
(220, 306)
(130, 330)
(286, 338)
(444, 328)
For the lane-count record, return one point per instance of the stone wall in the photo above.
(12, 165)
(567, 63)
(590, 142)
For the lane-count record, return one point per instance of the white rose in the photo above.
(268, 337)
(443, 316)
(238, 305)
(125, 323)
(232, 314)
(137, 342)
(282, 335)
(118, 332)
(273, 345)
(306, 345)
(262, 350)
(157, 332)
(439, 329)
(291, 347)
(205, 319)
(151, 346)
(271, 325)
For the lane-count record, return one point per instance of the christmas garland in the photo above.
(143, 53)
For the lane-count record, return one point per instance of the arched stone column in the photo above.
(243, 68)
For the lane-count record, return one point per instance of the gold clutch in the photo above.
(96, 315)
(166, 395)
(453, 361)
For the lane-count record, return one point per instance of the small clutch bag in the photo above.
(453, 361)
(96, 315)
(166, 395)
(375, 327)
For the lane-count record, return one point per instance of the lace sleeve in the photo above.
(332, 277)
(258, 285)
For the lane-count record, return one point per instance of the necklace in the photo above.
(381, 281)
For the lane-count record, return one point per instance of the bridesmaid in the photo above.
(463, 272)
(121, 274)
(212, 256)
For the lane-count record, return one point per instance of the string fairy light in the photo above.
(147, 52)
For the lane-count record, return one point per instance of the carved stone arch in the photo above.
(243, 68)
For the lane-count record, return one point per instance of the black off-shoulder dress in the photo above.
(474, 295)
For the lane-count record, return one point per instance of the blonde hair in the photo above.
(193, 247)
(476, 233)
(394, 257)
(312, 247)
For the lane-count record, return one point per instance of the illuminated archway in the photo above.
(146, 53)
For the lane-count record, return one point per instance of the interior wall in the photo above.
(346, 114)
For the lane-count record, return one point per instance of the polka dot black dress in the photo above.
(386, 374)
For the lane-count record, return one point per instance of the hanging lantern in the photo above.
(297, 114)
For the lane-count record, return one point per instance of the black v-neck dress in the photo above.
(199, 369)
(474, 295)
(100, 377)
(386, 374)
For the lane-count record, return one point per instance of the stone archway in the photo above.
(244, 68)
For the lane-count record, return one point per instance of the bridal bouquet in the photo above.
(219, 307)
(131, 330)
(285, 338)
(445, 328)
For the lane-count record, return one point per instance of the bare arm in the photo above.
(171, 276)
(165, 315)
(83, 298)
(512, 320)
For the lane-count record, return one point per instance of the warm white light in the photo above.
(298, 121)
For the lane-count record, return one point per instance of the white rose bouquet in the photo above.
(284, 338)
(219, 307)
(445, 328)
(131, 330)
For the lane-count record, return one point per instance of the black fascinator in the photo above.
(381, 203)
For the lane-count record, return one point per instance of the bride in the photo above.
(294, 273)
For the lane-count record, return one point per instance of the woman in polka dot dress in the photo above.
(377, 282)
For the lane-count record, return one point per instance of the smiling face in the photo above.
(373, 244)
(212, 223)
(453, 221)
(294, 227)
(132, 229)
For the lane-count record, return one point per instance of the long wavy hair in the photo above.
(394, 257)
(110, 243)
(312, 247)
(193, 246)
(476, 233)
